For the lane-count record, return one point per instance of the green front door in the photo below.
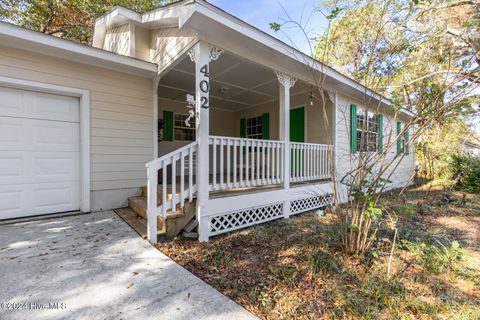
(297, 134)
(297, 125)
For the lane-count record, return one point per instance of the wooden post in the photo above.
(202, 54)
(286, 82)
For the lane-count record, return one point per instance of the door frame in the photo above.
(304, 119)
(84, 104)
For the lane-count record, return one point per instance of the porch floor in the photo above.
(246, 190)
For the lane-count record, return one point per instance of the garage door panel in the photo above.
(12, 102)
(55, 136)
(20, 167)
(35, 105)
(62, 167)
(53, 107)
(13, 134)
(39, 153)
(38, 135)
(55, 197)
(33, 199)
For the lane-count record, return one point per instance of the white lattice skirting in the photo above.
(306, 204)
(244, 218)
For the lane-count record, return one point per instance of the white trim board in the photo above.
(84, 100)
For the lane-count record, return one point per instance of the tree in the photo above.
(68, 19)
(405, 50)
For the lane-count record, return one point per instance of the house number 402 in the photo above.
(204, 87)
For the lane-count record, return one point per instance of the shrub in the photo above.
(465, 171)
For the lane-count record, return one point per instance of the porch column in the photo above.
(202, 54)
(286, 82)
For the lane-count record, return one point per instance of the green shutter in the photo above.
(243, 128)
(407, 138)
(266, 126)
(353, 128)
(167, 126)
(399, 138)
(380, 133)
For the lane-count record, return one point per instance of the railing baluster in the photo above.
(182, 176)
(174, 185)
(164, 188)
(190, 174)
(235, 163)
(258, 161)
(214, 164)
(241, 164)
(262, 143)
(228, 163)
(221, 163)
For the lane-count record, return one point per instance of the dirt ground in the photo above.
(295, 269)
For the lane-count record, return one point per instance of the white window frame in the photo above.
(192, 127)
(260, 125)
(366, 131)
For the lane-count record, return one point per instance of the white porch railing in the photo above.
(183, 183)
(309, 161)
(240, 162)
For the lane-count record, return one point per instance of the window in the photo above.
(367, 130)
(181, 131)
(254, 128)
(402, 142)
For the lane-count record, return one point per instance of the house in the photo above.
(87, 128)
(470, 146)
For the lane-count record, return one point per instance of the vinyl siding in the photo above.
(317, 130)
(167, 45)
(142, 43)
(120, 114)
(345, 160)
(117, 40)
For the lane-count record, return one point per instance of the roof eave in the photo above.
(14, 36)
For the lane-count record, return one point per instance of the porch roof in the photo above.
(219, 28)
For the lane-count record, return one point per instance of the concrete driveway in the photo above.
(93, 266)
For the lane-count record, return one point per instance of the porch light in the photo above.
(311, 97)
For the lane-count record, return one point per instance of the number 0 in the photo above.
(204, 86)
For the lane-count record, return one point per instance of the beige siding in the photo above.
(317, 128)
(345, 160)
(117, 40)
(142, 43)
(120, 115)
(169, 44)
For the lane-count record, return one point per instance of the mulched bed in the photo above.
(294, 269)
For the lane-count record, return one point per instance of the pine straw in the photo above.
(294, 269)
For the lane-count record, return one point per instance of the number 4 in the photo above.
(204, 70)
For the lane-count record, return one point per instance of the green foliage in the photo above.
(465, 171)
(436, 258)
(275, 26)
(322, 262)
(69, 19)
(407, 210)
(286, 273)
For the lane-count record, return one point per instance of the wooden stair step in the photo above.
(136, 222)
(140, 206)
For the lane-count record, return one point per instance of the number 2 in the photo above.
(204, 102)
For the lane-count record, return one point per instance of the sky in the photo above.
(260, 13)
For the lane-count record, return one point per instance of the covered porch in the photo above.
(253, 130)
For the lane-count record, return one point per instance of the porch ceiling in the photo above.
(235, 83)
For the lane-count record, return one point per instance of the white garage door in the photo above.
(39, 153)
